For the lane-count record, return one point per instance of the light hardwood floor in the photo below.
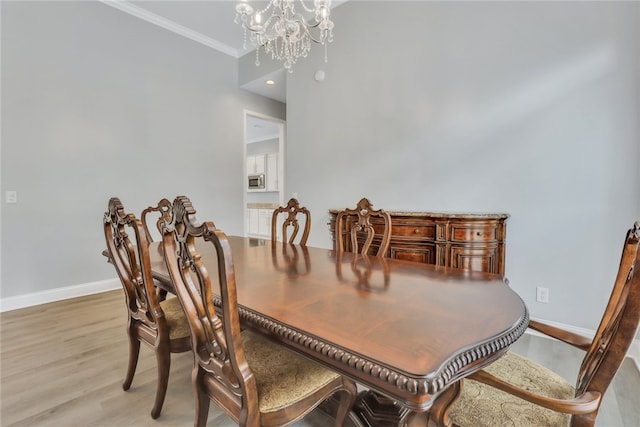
(62, 364)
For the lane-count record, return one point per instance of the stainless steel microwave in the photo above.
(256, 182)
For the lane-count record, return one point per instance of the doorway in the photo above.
(264, 171)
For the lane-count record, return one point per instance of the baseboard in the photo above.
(633, 353)
(51, 295)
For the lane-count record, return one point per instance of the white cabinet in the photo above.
(264, 222)
(271, 175)
(253, 221)
(266, 164)
(259, 221)
(255, 164)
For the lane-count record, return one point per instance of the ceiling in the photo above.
(261, 129)
(210, 22)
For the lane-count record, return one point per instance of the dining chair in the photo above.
(359, 229)
(516, 391)
(292, 210)
(256, 381)
(162, 211)
(159, 324)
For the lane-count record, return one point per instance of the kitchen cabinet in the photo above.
(271, 175)
(259, 220)
(256, 164)
(267, 165)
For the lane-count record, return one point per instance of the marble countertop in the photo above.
(262, 205)
(475, 215)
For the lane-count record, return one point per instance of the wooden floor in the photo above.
(62, 364)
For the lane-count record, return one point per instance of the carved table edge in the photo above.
(414, 386)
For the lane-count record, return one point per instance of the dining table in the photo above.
(406, 332)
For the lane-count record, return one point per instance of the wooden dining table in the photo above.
(407, 332)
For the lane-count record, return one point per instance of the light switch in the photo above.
(11, 196)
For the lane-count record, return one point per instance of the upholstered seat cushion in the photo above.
(484, 406)
(283, 377)
(176, 320)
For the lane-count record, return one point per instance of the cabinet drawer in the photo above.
(425, 254)
(473, 234)
(418, 231)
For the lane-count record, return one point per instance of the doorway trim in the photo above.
(281, 159)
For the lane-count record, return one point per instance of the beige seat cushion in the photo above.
(283, 377)
(176, 320)
(481, 405)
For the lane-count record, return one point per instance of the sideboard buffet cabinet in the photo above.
(459, 240)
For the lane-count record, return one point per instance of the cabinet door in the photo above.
(260, 168)
(255, 164)
(272, 172)
(474, 258)
(253, 221)
(251, 165)
(264, 222)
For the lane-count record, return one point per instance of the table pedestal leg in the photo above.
(374, 410)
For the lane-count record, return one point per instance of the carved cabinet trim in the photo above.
(459, 240)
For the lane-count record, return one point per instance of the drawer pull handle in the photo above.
(478, 233)
(416, 231)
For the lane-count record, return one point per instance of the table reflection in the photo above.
(286, 258)
(369, 273)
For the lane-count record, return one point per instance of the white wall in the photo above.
(97, 103)
(528, 108)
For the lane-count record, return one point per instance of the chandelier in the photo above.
(283, 32)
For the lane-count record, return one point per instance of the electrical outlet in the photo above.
(542, 294)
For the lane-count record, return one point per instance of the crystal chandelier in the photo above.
(283, 32)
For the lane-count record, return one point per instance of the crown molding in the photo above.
(167, 24)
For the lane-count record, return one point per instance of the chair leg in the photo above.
(134, 351)
(163, 358)
(347, 399)
(202, 399)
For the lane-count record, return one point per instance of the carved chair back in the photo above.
(163, 213)
(292, 209)
(215, 332)
(619, 323)
(359, 229)
(152, 319)
(131, 260)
